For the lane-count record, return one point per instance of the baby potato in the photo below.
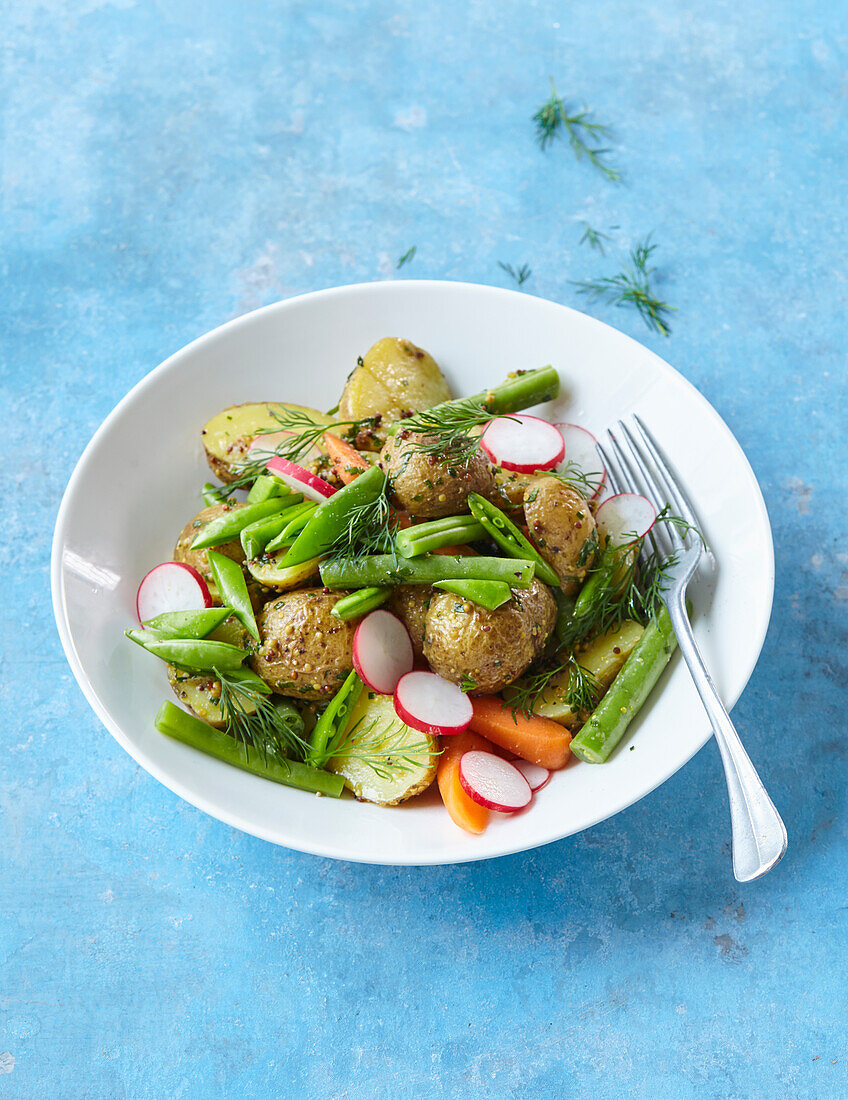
(305, 652)
(200, 691)
(227, 436)
(560, 522)
(394, 377)
(427, 486)
(197, 558)
(410, 602)
(464, 642)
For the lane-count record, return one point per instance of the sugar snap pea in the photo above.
(503, 531)
(330, 727)
(212, 495)
(333, 516)
(203, 655)
(230, 524)
(296, 520)
(187, 624)
(359, 603)
(386, 569)
(411, 542)
(488, 594)
(265, 487)
(230, 582)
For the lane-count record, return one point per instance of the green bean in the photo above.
(230, 524)
(359, 603)
(504, 532)
(187, 624)
(265, 487)
(232, 587)
(628, 691)
(521, 390)
(295, 522)
(212, 495)
(450, 531)
(334, 514)
(198, 735)
(331, 726)
(202, 656)
(565, 612)
(386, 569)
(256, 537)
(488, 594)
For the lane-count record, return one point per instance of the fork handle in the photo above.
(759, 835)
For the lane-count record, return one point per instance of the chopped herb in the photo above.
(406, 257)
(520, 274)
(553, 119)
(632, 287)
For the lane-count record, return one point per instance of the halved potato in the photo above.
(227, 436)
(603, 657)
(403, 761)
(268, 571)
(394, 377)
(200, 691)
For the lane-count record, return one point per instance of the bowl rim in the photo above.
(172, 363)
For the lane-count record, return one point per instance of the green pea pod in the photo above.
(198, 735)
(256, 537)
(503, 531)
(412, 542)
(188, 624)
(229, 580)
(359, 603)
(333, 516)
(488, 594)
(230, 524)
(296, 520)
(204, 656)
(386, 569)
(212, 495)
(330, 727)
(265, 487)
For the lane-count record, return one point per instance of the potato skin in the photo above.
(197, 558)
(395, 377)
(200, 691)
(492, 648)
(560, 521)
(305, 652)
(227, 436)
(425, 486)
(410, 602)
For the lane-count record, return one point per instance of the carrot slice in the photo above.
(457, 551)
(464, 811)
(539, 740)
(347, 461)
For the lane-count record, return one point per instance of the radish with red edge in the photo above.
(264, 446)
(171, 586)
(300, 480)
(522, 443)
(581, 451)
(382, 651)
(493, 782)
(535, 774)
(625, 517)
(430, 704)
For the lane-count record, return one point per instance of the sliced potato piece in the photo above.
(268, 571)
(402, 760)
(227, 436)
(200, 691)
(394, 377)
(603, 657)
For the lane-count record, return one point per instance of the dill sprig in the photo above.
(519, 274)
(370, 530)
(594, 238)
(383, 748)
(572, 475)
(277, 728)
(632, 287)
(406, 257)
(553, 119)
(448, 430)
(581, 695)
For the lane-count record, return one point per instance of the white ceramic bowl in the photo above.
(139, 481)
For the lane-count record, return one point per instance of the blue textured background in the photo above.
(168, 166)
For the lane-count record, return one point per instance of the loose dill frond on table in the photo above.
(554, 119)
(519, 274)
(632, 287)
(270, 727)
(406, 257)
(594, 238)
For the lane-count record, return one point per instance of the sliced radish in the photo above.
(431, 704)
(581, 451)
(522, 443)
(493, 782)
(171, 586)
(300, 480)
(263, 446)
(535, 774)
(625, 517)
(382, 651)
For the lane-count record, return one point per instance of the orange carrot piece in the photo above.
(458, 551)
(464, 811)
(539, 740)
(347, 461)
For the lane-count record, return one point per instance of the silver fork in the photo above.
(759, 835)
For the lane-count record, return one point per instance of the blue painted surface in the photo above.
(166, 167)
